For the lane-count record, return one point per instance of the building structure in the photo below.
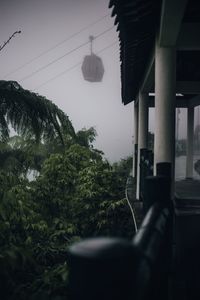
(160, 55)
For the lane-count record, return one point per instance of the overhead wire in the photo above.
(72, 67)
(61, 57)
(55, 46)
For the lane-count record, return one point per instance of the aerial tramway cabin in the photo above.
(160, 67)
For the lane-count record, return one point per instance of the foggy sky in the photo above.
(45, 23)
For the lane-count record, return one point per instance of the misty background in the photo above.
(47, 23)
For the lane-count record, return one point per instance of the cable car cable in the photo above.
(59, 58)
(73, 67)
(55, 46)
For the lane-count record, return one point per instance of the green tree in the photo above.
(77, 194)
(86, 137)
(124, 168)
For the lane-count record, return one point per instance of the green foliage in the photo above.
(33, 251)
(86, 137)
(30, 114)
(123, 168)
(77, 194)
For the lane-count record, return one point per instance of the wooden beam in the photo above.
(188, 38)
(181, 102)
(195, 101)
(172, 13)
(149, 76)
(188, 87)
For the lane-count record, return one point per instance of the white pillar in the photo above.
(190, 142)
(135, 139)
(142, 132)
(165, 93)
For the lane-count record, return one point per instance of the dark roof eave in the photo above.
(136, 22)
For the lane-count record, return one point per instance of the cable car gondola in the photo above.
(92, 67)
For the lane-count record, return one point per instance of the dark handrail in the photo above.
(110, 268)
(153, 243)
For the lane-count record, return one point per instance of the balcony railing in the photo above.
(111, 268)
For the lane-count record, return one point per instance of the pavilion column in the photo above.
(142, 132)
(135, 151)
(190, 142)
(165, 93)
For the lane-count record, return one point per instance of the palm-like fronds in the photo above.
(20, 156)
(30, 114)
(14, 162)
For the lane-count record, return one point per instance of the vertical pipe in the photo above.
(165, 93)
(142, 133)
(135, 140)
(190, 142)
